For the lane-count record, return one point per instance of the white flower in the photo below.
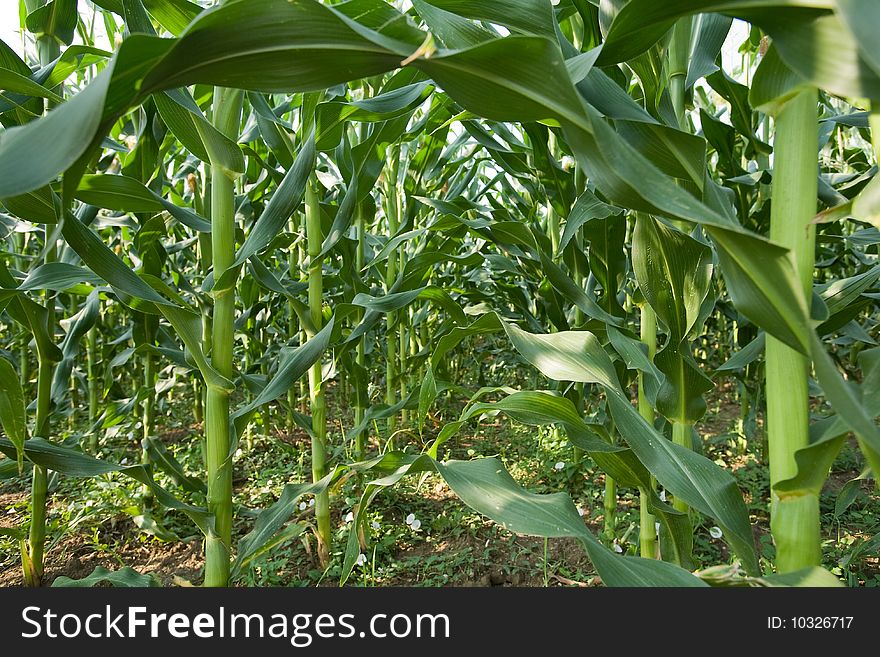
(411, 518)
(581, 511)
(715, 532)
(312, 502)
(663, 495)
(349, 517)
(657, 528)
(303, 506)
(559, 466)
(375, 525)
(618, 549)
(416, 523)
(361, 560)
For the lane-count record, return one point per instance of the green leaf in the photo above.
(106, 264)
(124, 194)
(125, 577)
(674, 272)
(56, 18)
(184, 118)
(680, 398)
(427, 395)
(276, 215)
(74, 463)
(702, 484)
(294, 362)
(709, 34)
(173, 15)
(12, 409)
(58, 276)
(40, 206)
(65, 132)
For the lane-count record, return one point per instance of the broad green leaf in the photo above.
(674, 272)
(487, 487)
(165, 461)
(35, 318)
(74, 463)
(748, 354)
(312, 46)
(58, 276)
(294, 363)
(427, 395)
(11, 81)
(276, 215)
(125, 577)
(125, 194)
(524, 16)
(702, 484)
(55, 18)
(78, 325)
(12, 409)
(106, 264)
(774, 83)
(41, 206)
(65, 132)
(184, 118)
(680, 398)
(709, 34)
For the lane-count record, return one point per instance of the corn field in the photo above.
(275, 273)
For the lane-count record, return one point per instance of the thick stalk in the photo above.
(681, 435)
(609, 502)
(679, 60)
(647, 531)
(794, 519)
(48, 50)
(227, 115)
(315, 236)
(39, 480)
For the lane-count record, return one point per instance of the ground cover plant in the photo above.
(440, 293)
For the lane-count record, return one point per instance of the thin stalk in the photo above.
(24, 360)
(227, 116)
(647, 531)
(292, 324)
(360, 357)
(204, 255)
(678, 62)
(393, 217)
(794, 519)
(149, 406)
(404, 317)
(92, 375)
(315, 236)
(609, 500)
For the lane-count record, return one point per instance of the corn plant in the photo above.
(264, 202)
